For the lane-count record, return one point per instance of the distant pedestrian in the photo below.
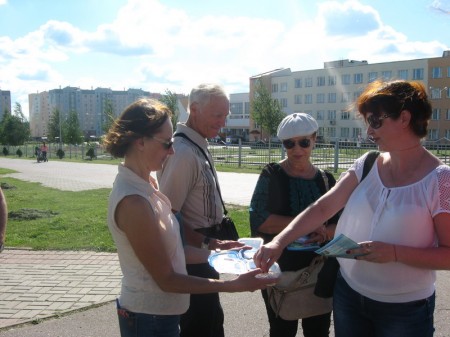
(44, 149)
(3, 219)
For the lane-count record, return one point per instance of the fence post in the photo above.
(240, 153)
(336, 156)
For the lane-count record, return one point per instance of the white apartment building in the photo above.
(329, 94)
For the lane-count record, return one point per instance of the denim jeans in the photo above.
(145, 325)
(356, 315)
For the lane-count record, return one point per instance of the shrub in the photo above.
(5, 151)
(91, 153)
(19, 153)
(60, 153)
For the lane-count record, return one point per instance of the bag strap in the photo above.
(183, 135)
(368, 163)
(325, 180)
(305, 274)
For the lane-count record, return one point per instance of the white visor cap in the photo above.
(297, 125)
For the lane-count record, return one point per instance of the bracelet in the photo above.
(395, 253)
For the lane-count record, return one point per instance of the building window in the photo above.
(447, 116)
(284, 87)
(332, 132)
(357, 78)
(345, 115)
(373, 75)
(447, 134)
(283, 102)
(332, 80)
(436, 93)
(345, 132)
(448, 71)
(332, 115)
(320, 81)
(298, 82)
(308, 99)
(331, 97)
(298, 99)
(320, 115)
(345, 97)
(432, 134)
(356, 133)
(275, 87)
(436, 72)
(418, 74)
(386, 75)
(308, 82)
(320, 98)
(403, 74)
(236, 108)
(345, 79)
(356, 95)
(435, 115)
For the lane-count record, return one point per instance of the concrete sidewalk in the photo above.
(45, 286)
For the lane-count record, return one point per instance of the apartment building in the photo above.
(5, 102)
(90, 106)
(329, 94)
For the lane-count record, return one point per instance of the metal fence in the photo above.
(330, 156)
(70, 151)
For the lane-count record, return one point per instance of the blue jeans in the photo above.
(144, 325)
(356, 315)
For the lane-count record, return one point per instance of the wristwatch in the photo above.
(205, 243)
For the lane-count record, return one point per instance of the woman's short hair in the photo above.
(141, 118)
(395, 96)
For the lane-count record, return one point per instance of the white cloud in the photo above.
(156, 47)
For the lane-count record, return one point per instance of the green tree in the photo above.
(170, 99)
(72, 131)
(54, 127)
(14, 130)
(265, 110)
(108, 116)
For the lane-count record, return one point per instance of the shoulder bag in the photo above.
(293, 298)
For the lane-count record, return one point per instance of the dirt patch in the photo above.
(31, 214)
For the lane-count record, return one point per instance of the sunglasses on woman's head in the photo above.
(376, 122)
(304, 143)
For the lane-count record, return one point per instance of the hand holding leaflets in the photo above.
(338, 247)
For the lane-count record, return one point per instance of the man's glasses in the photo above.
(166, 144)
(304, 143)
(376, 122)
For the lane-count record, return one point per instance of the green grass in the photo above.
(67, 220)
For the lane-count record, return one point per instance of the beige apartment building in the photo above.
(328, 94)
(88, 104)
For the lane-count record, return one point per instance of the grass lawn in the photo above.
(46, 218)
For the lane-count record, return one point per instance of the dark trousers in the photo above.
(204, 317)
(315, 326)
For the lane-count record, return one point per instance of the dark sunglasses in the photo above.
(376, 122)
(166, 144)
(304, 143)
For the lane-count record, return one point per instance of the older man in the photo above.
(189, 180)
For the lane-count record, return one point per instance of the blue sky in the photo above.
(176, 44)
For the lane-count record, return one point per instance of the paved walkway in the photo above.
(35, 285)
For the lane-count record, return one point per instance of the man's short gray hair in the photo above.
(202, 93)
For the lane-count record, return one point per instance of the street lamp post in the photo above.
(438, 90)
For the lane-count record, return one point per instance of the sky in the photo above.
(159, 45)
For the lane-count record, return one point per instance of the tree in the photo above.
(72, 131)
(14, 130)
(170, 99)
(266, 111)
(108, 116)
(54, 127)
(18, 111)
